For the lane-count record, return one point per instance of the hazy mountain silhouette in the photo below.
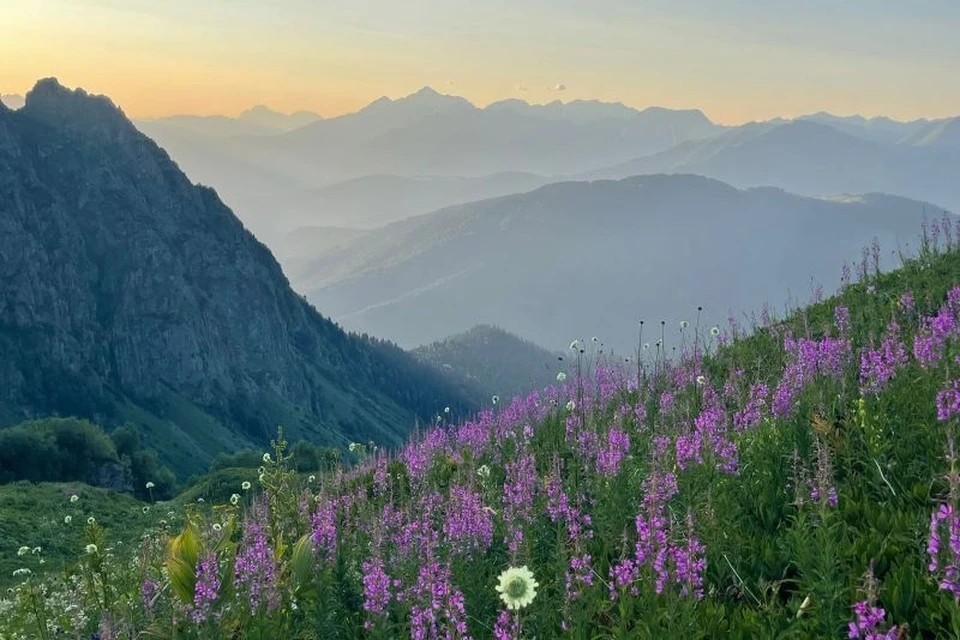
(591, 258)
(491, 361)
(131, 294)
(943, 134)
(810, 158)
(270, 180)
(376, 200)
(878, 129)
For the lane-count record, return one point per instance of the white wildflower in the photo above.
(571, 405)
(446, 409)
(245, 485)
(561, 376)
(517, 587)
(266, 458)
(67, 519)
(483, 471)
(91, 548)
(22, 551)
(150, 485)
(575, 345)
(684, 324)
(74, 498)
(217, 527)
(91, 520)
(311, 479)
(715, 331)
(495, 399)
(36, 550)
(701, 380)
(22, 572)
(235, 499)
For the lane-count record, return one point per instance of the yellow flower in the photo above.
(517, 587)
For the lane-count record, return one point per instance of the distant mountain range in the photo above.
(812, 158)
(580, 259)
(275, 182)
(401, 157)
(127, 294)
(488, 360)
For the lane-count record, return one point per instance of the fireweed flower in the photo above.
(948, 402)
(207, 588)
(517, 587)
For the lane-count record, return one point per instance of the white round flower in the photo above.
(145, 509)
(575, 345)
(446, 409)
(150, 485)
(561, 376)
(266, 458)
(495, 399)
(22, 551)
(354, 446)
(571, 405)
(21, 572)
(200, 500)
(245, 486)
(36, 550)
(684, 324)
(74, 498)
(517, 587)
(235, 499)
(311, 479)
(217, 527)
(595, 339)
(260, 478)
(91, 548)
(701, 380)
(263, 470)
(483, 471)
(91, 520)
(715, 331)
(67, 519)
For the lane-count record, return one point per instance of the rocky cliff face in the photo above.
(127, 292)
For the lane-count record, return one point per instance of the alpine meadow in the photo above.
(449, 321)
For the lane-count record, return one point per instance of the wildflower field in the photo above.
(776, 479)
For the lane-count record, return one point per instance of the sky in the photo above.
(737, 60)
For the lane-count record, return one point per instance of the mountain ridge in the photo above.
(131, 293)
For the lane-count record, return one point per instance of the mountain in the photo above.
(376, 200)
(129, 294)
(491, 361)
(939, 134)
(11, 101)
(270, 119)
(256, 121)
(808, 158)
(878, 129)
(275, 181)
(592, 258)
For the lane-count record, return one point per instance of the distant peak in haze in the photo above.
(426, 98)
(264, 116)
